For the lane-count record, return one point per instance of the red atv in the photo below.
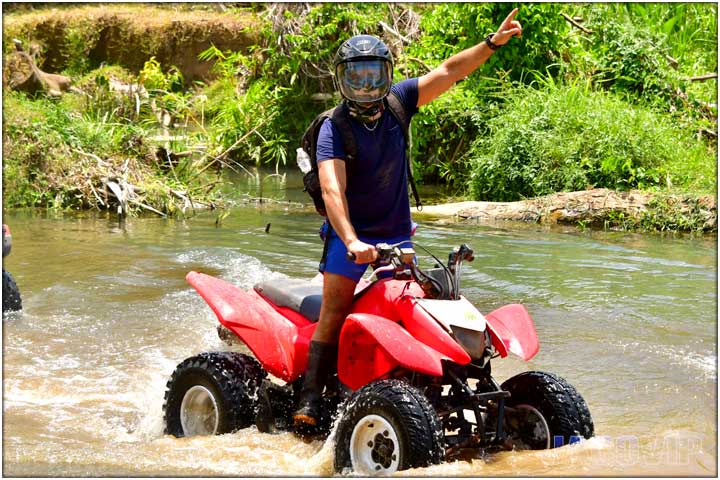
(413, 384)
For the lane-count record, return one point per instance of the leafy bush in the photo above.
(248, 125)
(563, 138)
(273, 106)
(452, 27)
(688, 30)
(633, 61)
(56, 153)
(153, 77)
(646, 52)
(667, 213)
(445, 129)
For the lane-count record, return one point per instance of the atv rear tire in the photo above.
(11, 300)
(388, 426)
(211, 394)
(559, 414)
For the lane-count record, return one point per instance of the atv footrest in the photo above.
(275, 405)
(491, 395)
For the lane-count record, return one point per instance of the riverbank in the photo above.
(596, 208)
(138, 133)
(78, 37)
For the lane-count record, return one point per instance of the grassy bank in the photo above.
(135, 120)
(58, 154)
(77, 38)
(564, 108)
(569, 137)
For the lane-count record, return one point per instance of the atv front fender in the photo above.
(372, 346)
(513, 331)
(422, 326)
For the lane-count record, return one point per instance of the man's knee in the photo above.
(338, 290)
(338, 293)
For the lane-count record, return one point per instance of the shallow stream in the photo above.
(629, 319)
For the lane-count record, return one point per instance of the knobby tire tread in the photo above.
(563, 407)
(11, 300)
(420, 428)
(237, 378)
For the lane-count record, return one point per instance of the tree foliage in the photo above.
(605, 103)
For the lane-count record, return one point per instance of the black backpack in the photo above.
(340, 116)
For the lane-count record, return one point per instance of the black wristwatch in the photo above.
(489, 42)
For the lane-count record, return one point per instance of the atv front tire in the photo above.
(11, 300)
(211, 394)
(548, 411)
(388, 426)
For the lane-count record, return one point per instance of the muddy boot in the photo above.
(321, 362)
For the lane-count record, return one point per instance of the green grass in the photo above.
(55, 155)
(608, 110)
(571, 137)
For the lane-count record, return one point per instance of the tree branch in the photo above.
(702, 78)
(575, 24)
(388, 28)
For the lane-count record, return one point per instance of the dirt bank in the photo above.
(128, 35)
(593, 208)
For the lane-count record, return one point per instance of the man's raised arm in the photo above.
(459, 66)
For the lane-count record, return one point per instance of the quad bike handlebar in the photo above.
(387, 253)
(442, 282)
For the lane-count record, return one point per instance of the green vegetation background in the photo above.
(559, 109)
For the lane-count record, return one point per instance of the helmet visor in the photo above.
(364, 80)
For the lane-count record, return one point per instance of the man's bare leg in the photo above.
(338, 292)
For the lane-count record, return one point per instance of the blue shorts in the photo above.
(335, 260)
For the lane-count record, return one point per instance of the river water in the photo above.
(629, 319)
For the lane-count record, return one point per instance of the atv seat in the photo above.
(298, 295)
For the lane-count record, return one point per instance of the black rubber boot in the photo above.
(321, 363)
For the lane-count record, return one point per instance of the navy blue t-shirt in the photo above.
(377, 183)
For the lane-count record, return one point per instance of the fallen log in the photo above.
(596, 207)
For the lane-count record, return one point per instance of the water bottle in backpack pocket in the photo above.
(311, 179)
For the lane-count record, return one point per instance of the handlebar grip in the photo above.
(350, 256)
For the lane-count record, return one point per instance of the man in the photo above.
(370, 205)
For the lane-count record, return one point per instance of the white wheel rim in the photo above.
(374, 446)
(541, 427)
(199, 413)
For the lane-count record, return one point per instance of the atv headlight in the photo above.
(472, 341)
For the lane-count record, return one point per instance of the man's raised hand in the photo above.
(508, 28)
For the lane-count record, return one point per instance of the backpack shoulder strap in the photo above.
(398, 110)
(309, 138)
(340, 116)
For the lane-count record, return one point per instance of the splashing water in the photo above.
(628, 319)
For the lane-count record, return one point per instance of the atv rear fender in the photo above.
(513, 331)
(372, 346)
(279, 345)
